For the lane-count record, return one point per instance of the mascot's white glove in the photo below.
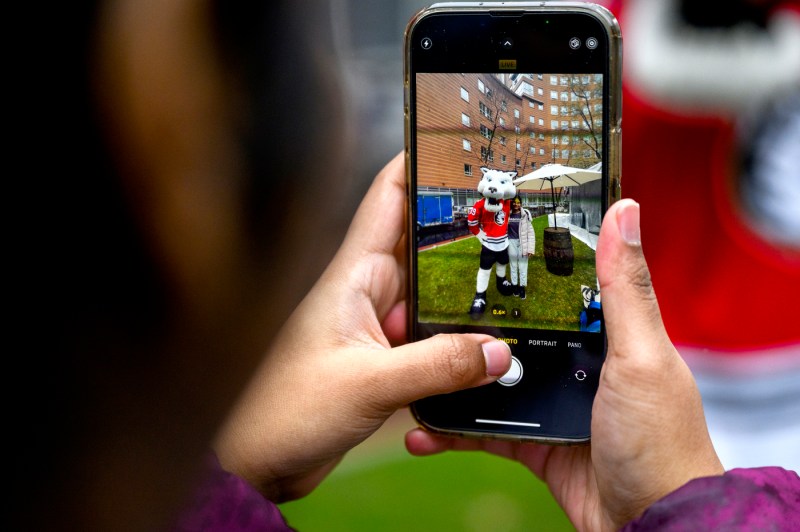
(481, 235)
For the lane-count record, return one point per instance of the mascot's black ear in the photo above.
(484, 169)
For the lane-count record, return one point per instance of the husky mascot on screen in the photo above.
(488, 220)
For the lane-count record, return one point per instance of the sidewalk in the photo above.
(563, 219)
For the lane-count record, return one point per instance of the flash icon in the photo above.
(591, 43)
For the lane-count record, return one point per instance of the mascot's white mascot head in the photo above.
(495, 186)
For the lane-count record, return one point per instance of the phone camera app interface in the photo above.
(508, 199)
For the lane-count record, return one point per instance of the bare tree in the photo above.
(498, 134)
(586, 107)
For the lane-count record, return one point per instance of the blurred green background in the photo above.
(379, 486)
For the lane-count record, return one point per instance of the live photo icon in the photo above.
(508, 64)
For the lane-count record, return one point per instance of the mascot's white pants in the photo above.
(519, 263)
(485, 275)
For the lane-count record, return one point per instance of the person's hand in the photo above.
(331, 377)
(649, 434)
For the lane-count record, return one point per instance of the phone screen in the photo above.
(512, 124)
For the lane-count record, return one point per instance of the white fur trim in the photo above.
(716, 70)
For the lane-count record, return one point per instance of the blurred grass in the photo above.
(447, 285)
(379, 486)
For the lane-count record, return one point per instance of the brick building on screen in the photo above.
(512, 122)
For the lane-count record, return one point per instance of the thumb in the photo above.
(649, 434)
(441, 364)
(630, 309)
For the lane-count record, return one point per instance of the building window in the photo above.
(554, 110)
(464, 120)
(464, 94)
(485, 110)
(502, 122)
(503, 159)
(554, 95)
(467, 169)
(481, 86)
(516, 113)
(541, 122)
(502, 140)
(486, 132)
(554, 124)
(466, 144)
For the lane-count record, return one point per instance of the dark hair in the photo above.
(94, 304)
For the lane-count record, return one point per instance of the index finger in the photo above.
(378, 224)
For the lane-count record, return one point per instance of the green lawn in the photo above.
(383, 488)
(447, 285)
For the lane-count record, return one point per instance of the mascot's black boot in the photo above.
(478, 305)
(504, 286)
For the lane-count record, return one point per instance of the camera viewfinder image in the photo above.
(508, 199)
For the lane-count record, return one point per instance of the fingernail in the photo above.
(497, 355)
(628, 222)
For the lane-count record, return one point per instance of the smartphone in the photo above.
(513, 115)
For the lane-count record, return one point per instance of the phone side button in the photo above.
(513, 375)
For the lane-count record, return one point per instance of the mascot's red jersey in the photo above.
(721, 284)
(494, 224)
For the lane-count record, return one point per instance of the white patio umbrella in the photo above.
(557, 175)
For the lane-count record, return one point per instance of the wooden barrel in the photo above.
(559, 256)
